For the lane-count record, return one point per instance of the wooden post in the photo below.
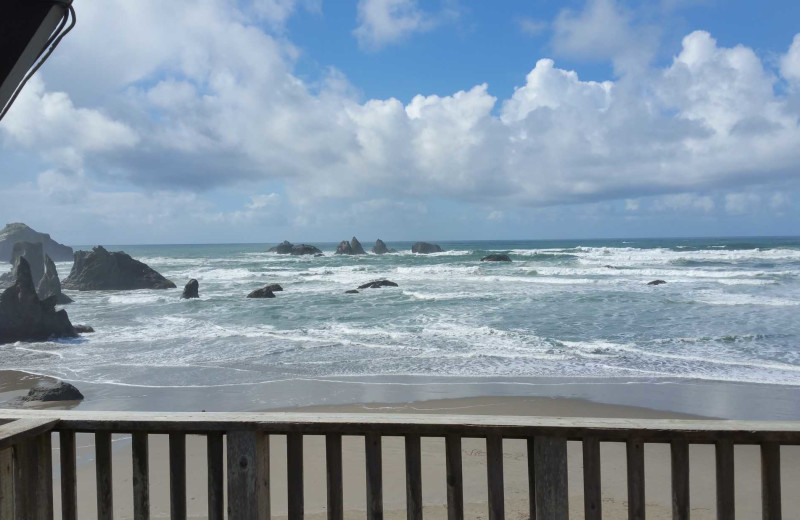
(455, 478)
(531, 479)
(592, 496)
(248, 476)
(141, 476)
(333, 468)
(635, 452)
(771, 481)
(69, 481)
(105, 497)
(550, 461)
(33, 475)
(372, 444)
(216, 477)
(177, 476)
(7, 484)
(726, 505)
(294, 475)
(494, 476)
(413, 478)
(680, 479)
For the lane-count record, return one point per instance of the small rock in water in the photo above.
(496, 258)
(274, 287)
(656, 282)
(377, 284)
(319, 254)
(53, 391)
(425, 248)
(83, 329)
(191, 290)
(264, 292)
(351, 291)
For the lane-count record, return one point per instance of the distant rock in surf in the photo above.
(353, 247)
(318, 255)
(99, 269)
(656, 282)
(84, 329)
(351, 291)
(264, 292)
(24, 317)
(380, 248)
(49, 391)
(191, 290)
(43, 271)
(425, 248)
(274, 287)
(377, 284)
(496, 258)
(287, 248)
(19, 232)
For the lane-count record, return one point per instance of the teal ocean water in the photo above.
(566, 309)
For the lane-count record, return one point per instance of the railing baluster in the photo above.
(105, 497)
(726, 509)
(140, 455)
(7, 484)
(333, 467)
(413, 478)
(372, 443)
(592, 498)
(635, 455)
(294, 475)
(680, 479)
(69, 487)
(531, 479)
(33, 475)
(494, 476)
(771, 481)
(248, 476)
(177, 476)
(216, 477)
(455, 478)
(550, 468)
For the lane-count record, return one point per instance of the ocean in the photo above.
(565, 310)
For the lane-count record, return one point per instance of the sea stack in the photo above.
(191, 290)
(43, 271)
(380, 247)
(353, 247)
(425, 248)
(19, 232)
(287, 248)
(496, 258)
(99, 269)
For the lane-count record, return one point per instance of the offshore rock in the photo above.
(351, 291)
(24, 317)
(191, 290)
(274, 287)
(425, 248)
(19, 232)
(84, 329)
(99, 269)
(355, 245)
(377, 284)
(43, 271)
(264, 292)
(380, 247)
(656, 282)
(496, 258)
(287, 248)
(344, 248)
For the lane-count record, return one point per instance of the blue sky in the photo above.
(314, 120)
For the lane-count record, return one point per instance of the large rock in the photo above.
(353, 247)
(284, 248)
(99, 269)
(48, 391)
(287, 248)
(264, 292)
(377, 284)
(380, 248)
(425, 248)
(19, 232)
(24, 317)
(191, 290)
(496, 258)
(43, 271)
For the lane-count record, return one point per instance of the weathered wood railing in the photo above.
(26, 482)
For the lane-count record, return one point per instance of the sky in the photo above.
(218, 121)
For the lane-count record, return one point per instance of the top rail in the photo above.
(646, 430)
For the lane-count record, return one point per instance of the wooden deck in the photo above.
(26, 466)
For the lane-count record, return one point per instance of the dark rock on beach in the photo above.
(99, 269)
(377, 284)
(191, 290)
(351, 291)
(84, 329)
(496, 258)
(287, 248)
(49, 391)
(264, 292)
(656, 282)
(19, 232)
(24, 317)
(425, 248)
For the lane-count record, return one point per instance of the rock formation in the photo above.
(84, 329)
(18, 232)
(287, 248)
(351, 291)
(48, 391)
(99, 269)
(353, 247)
(43, 271)
(377, 284)
(274, 287)
(496, 258)
(425, 248)
(24, 317)
(264, 292)
(656, 282)
(191, 290)
(381, 249)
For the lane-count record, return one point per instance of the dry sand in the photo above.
(434, 493)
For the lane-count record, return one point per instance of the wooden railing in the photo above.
(26, 466)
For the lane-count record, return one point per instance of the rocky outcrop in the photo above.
(425, 248)
(495, 258)
(191, 290)
(284, 248)
(24, 317)
(43, 271)
(274, 287)
(84, 329)
(50, 285)
(351, 291)
(264, 292)
(656, 282)
(98, 270)
(352, 247)
(377, 284)
(356, 246)
(49, 391)
(287, 248)
(381, 249)
(19, 232)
